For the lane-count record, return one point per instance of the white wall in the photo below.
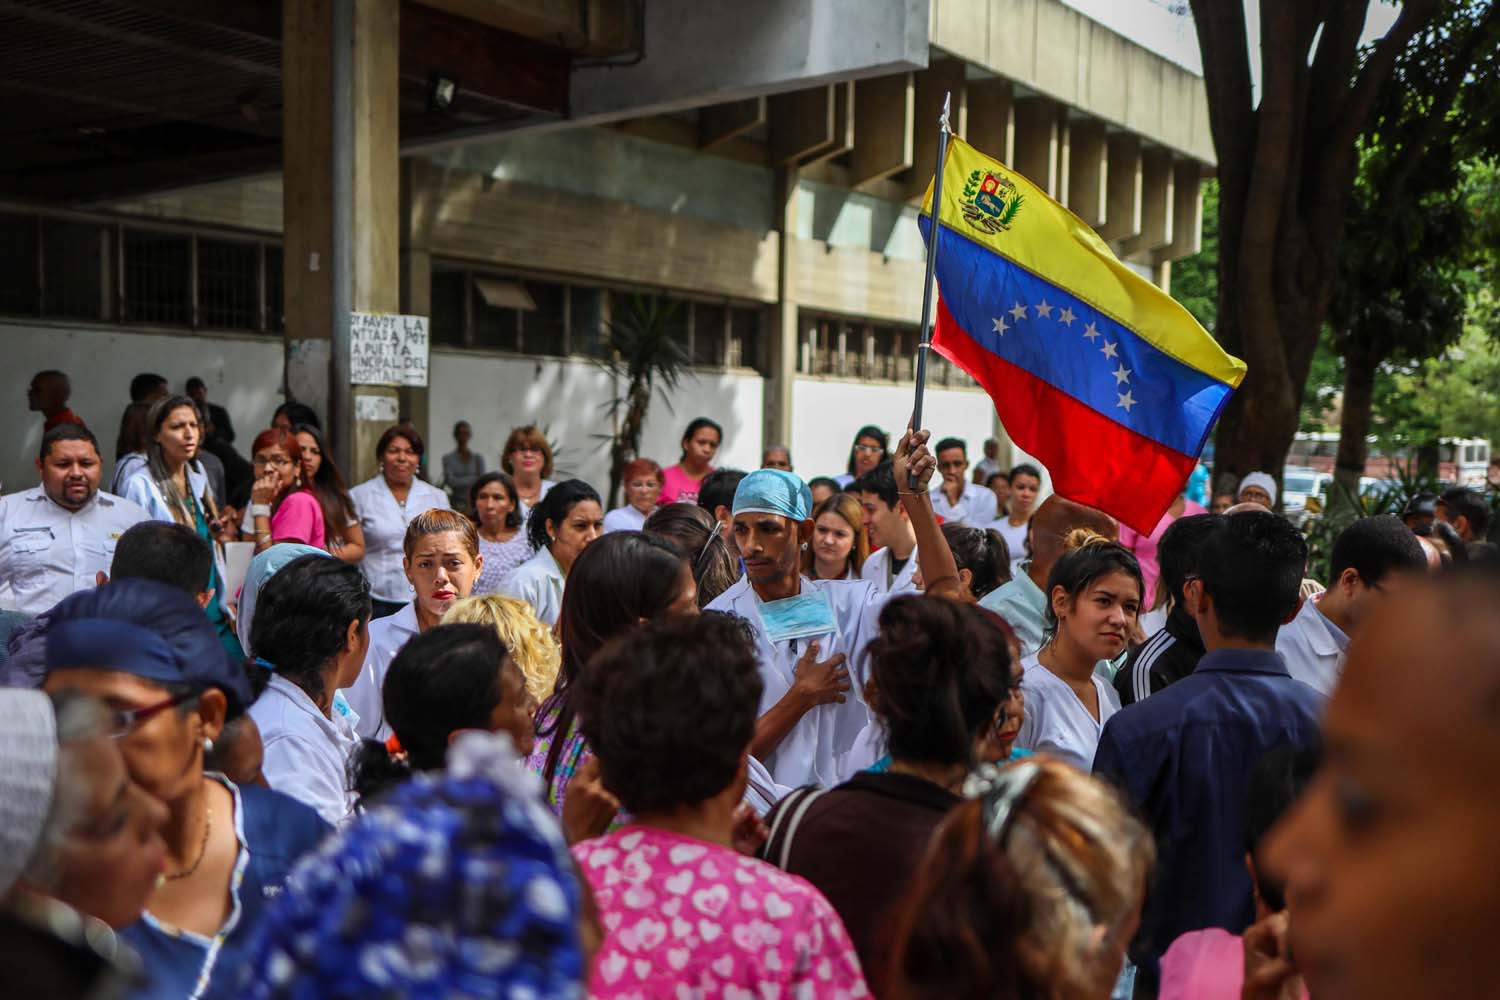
(496, 393)
(827, 414)
(243, 375)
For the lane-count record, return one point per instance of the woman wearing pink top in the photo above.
(680, 906)
(700, 443)
(1144, 546)
(281, 508)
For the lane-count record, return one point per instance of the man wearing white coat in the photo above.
(815, 726)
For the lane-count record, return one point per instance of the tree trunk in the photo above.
(1354, 422)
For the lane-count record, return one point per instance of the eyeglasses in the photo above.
(868, 449)
(126, 720)
(526, 449)
(280, 461)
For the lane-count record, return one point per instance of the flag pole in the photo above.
(925, 344)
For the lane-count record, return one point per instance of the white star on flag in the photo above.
(1066, 317)
(1109, 349)
(1044, 310)
(1090, 332)
(1000, 325)
(1126, 401)
(1019, 312)
(1122, 374)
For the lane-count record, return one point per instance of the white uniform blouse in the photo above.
(625, 518)
(307, 754)
(832, 742)
(1056, 721)
(48, 552)
(387, 636)
(384, 522)
(539, 582)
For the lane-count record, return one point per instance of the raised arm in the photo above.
(913, 466)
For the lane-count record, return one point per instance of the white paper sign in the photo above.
(387, 349)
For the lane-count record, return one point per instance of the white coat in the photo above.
(384, 522)
(832, 742)
(539, 582)
(387, 636)
(307, 754)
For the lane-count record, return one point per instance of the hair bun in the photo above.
(1080, 538)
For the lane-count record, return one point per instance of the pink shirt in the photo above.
(299, 519)
(686, 917)
(679, 487)
(1205, 965)
(1144, 547)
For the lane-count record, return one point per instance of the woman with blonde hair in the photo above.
(441, 562)
(839, 545)
(532, 644)
(1031, 889)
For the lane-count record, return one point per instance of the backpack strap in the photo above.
(789, 814)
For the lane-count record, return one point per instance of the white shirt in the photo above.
(877, 570)
(384, 522)
(547, 485)
(833, 742)
(139, 487)
(1313, 647)
(124, 466)
(1015, 540)
(1056, 720)
(387, 636)
(307, 754)
(539, 582)
(625, 518)
(48, 552)
(975, 507)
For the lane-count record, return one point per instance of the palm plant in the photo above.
(643, 358)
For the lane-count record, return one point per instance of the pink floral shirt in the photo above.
(684, 918)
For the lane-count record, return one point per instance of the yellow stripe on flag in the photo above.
(1004, 212)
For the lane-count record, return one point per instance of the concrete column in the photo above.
(781, 356)
(1088, 171)
(341, 208)
(1158, 202)
(991, 119)
(1122, 217)
(416, 291)
(1036, 142)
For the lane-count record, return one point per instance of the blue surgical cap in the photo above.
(148, 629)
(773, 491)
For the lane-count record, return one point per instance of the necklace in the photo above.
(208, 822)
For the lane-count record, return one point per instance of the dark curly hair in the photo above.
(941, 669)
(618, 581)
(670, 709)
(302, 618)
(553, 509)
(442, 681)
(981, 551)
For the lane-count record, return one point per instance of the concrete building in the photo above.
(759, 164)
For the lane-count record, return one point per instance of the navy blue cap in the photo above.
(149, 629)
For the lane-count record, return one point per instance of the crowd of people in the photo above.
(909, 731)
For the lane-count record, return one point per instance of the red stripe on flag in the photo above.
(1093, 460)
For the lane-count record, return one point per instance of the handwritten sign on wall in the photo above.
(387, 349)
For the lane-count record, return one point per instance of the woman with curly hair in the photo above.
(532, 644)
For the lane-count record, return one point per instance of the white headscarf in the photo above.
(1261, 479)
(28, 775)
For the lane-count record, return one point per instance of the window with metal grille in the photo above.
(20, 287)
(275, 285)
(228, 285)
(544, 328)
(158, 269)
(709, 328)
(75, 275)
(745, 338)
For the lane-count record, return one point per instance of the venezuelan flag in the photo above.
(1093, 369)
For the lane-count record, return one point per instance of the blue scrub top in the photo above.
(274, 832)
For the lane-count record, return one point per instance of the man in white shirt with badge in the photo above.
(957, 501)
(1368, 556)
(892, 567)
(56, 538)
